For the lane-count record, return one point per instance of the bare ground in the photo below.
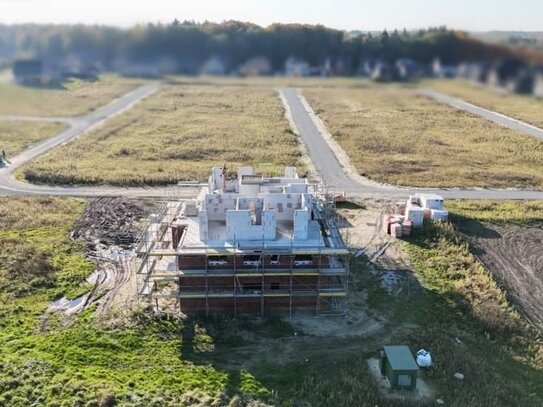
(366, 236)
(109, 229)
(512, 253)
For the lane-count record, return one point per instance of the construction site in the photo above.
(251, 245)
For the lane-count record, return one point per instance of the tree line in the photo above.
(189, 44)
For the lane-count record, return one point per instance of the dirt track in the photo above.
(109, 228)
(512, 253)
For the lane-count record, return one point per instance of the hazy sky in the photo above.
(475, 15)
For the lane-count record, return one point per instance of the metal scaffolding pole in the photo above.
(261, 264)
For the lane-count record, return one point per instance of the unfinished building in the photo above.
(255, 244)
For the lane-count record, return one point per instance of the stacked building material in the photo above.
(407, 227)
(396, 230)
(440, 215)
(415, 214)
(386, 223)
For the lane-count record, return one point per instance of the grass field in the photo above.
(269, 81)
(17, 136)
(73, 98)
(395, 136)
(523, 107)
(179, 133)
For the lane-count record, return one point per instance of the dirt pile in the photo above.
(112, 222)
(109, 228)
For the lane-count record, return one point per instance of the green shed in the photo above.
(399, 366)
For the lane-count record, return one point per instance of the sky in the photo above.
(370, 15)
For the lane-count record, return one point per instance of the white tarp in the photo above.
(424, 359)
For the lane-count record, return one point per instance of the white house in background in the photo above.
(256, 66)
(538, 85)
(213, 66)
(296, 67)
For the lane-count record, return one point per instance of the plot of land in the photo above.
(448, 305)
(17, 136)
(395, 136)
(177, 134)
(521, 107)
(509, 245)
(73, 98)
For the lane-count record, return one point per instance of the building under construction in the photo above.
(251, 245)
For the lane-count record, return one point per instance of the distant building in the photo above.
(523, 82)
(297, 67)
(408, 69)
(493, 78)
(474, 71)
(213, 66)
(337, 66)
(440, 70)
(80, 66)
(29, 72)
(538, 85)
(366, 66)
(385, 72)
(256, 66)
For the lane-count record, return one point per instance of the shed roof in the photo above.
(400, 357)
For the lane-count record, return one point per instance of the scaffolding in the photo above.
(236, 279)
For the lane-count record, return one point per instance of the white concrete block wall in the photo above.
(269, 224)
(217, 205)
(249, 189)
(291, 172)
(301, 224)
(245, 171)
(203, 223)
(239, 227)
(283, 204)
(216, 181)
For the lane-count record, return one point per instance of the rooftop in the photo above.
(400, 357)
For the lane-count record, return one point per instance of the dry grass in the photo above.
(395, 136)
(268, 81)
(179, 133)
(35, 212)
(522, 107)
(74, 98)
(17, 136)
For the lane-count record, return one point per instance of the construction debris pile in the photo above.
(413, 213)
(111, 222)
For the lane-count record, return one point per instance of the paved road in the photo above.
(495, 117)
(77, 127)
(337, 177)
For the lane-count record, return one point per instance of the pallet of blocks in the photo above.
(396, 230)
(407, 227)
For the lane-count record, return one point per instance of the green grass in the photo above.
(394, 136)
(498, 211)
(178, 133)
(523, 107)
(17, 136)
(73, 98)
